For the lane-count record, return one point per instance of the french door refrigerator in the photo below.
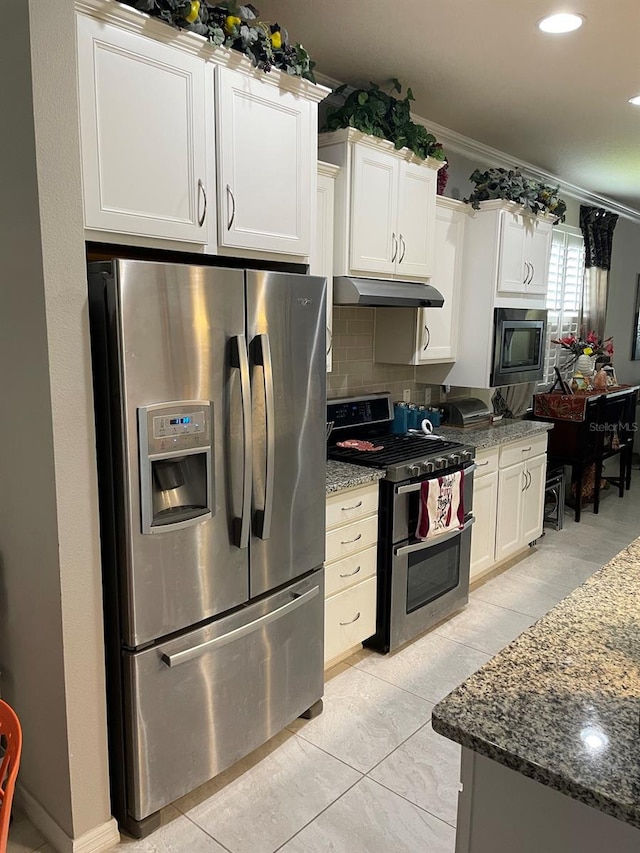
(210, 392)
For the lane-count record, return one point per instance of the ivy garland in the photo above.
(380, 114)
(511, 185)
(236, 26)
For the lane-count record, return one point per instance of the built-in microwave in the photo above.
(518, 346)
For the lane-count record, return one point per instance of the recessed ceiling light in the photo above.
(635, 101)
(562, 23)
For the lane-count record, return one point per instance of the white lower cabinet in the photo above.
(350, 569)
(508, 501)
(483, 532)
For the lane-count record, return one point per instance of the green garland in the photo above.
(377, 113)
(236, 26)
(511, 185)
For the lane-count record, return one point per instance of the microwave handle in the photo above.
(429, 543)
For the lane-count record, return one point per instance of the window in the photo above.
(564, 297)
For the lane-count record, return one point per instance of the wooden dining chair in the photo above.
(11, 739)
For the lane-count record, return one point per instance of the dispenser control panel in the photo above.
(166, 426)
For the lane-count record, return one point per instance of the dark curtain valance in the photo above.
(597, 227)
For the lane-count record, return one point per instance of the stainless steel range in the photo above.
(420, 582)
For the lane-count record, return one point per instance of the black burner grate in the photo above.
(395, 449)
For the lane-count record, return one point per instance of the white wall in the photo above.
(51, 648)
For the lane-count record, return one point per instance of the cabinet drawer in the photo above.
(349, 505)
(344, 573)
(487, 461)
(511, 454)
(349, 618)
(351, 538)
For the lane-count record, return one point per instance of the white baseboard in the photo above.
(95, 841)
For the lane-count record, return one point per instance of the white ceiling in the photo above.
(483, 69)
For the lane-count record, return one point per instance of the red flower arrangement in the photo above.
(591, 344)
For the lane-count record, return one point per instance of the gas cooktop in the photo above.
(369, 419)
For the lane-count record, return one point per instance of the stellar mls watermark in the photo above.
(617, 427)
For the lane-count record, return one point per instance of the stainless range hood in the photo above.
(378, 293)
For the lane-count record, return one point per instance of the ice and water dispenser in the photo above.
(176, 478)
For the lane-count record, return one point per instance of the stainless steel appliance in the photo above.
(376, 292)
(466, 412)
(210, 416)
(420, 582)
(518, 346)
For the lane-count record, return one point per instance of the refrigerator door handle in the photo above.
(263, 357)
(240, 360)
(238, 633)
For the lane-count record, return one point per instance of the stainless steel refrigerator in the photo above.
(210, 392)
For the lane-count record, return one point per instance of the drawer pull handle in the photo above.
(355, 506)
(349, 541)
(351, 621)
(482, 464)
(351, 574)
(525, 449)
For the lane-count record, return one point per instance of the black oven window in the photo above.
(521, 348)
(432, 573)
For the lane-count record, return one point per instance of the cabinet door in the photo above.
(483, 532)
(537, 254)
(374, 211)
(438, 326)
(321, 260)
(416, 213)
(511, 483)
(142, 127)
(266, 165)
(533, 498)
(512, 271)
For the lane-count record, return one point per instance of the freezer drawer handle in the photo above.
(237, 634)
(429, 543)
(263, 356)
(240, 360)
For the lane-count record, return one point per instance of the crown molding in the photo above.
(494, 158)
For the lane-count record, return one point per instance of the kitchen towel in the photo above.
(441, 505)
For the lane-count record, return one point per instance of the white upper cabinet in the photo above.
(321, 260)
(385, 207)
(374, 237)
(175, 131)
(143, 135)
(266, 165)
(416, 215)
(524, 252)
(429, 335)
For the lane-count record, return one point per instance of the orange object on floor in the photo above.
(11, 734)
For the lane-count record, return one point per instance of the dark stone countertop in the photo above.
(561, 704)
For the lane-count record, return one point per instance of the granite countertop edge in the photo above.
(343, 475)
(564, 784)
(549, 670)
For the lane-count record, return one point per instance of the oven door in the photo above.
(402, 502)
(518, 351)
(429, 581)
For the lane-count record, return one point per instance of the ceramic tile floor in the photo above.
(370, 775)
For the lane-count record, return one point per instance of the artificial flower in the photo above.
(231, 23)
(194, 11)
(276, 40)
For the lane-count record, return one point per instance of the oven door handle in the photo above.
(415, 487)
(429, 543)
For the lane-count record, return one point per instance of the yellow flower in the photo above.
(588, 351)
(194, 11)
(276, 40)
(231, 22)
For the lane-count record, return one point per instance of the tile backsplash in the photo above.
(354, 370)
